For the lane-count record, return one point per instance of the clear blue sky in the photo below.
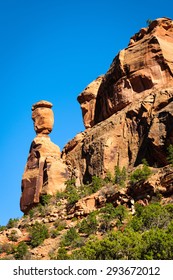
(52, 49)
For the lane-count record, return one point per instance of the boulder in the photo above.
(43, 117)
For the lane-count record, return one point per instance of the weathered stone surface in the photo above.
(144, 66)
(143, 129)
(45, 172)
(133, 116)
(87, 100)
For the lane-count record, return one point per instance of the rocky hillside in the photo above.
(114, 181)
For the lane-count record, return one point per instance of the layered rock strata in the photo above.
(145, 65)
(45, 172)
(143, 129)
(133, 114)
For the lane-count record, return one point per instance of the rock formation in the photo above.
(45, 172)
(128, 115)
(145, 65)
(87, 100)
(133, 114)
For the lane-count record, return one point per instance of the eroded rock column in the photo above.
(45, 172)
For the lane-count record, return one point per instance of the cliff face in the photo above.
(131, 116)
(145, 65)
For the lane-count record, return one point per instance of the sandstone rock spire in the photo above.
(45, 172)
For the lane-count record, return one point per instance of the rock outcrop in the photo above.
(133, 115)
(145, 65)
(45, 172)
(87, 100)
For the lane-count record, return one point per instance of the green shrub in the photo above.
(62, 254)
(72, 239)
(59, 226)
(149, 21)
(43, 210)
(88, 189)
(157, 245)
(120, 176)
(169, 209)
(155, 216)
(13, 236)
(110, 213)
(141, 174)
(54, 233)
(116, 246)
(96, 184)
(170, 154)
(38, 233)
(108, 178)
(60, 195)
(12, 223)
(45, 199)
(31, 213)
(2, 228)
(71, 192)
(21, 251)
(151, 216)
(89, 224)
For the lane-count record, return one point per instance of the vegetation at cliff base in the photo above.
(147, 235)
(141, 173)
(114, 228)
(38, 233)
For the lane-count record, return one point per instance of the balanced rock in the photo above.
(43, 117)
(45, 172)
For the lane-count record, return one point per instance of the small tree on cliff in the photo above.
(148, 21)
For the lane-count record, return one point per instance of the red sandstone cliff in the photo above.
(128, 112)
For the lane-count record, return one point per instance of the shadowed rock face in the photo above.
(133, 115)
(45, 172)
